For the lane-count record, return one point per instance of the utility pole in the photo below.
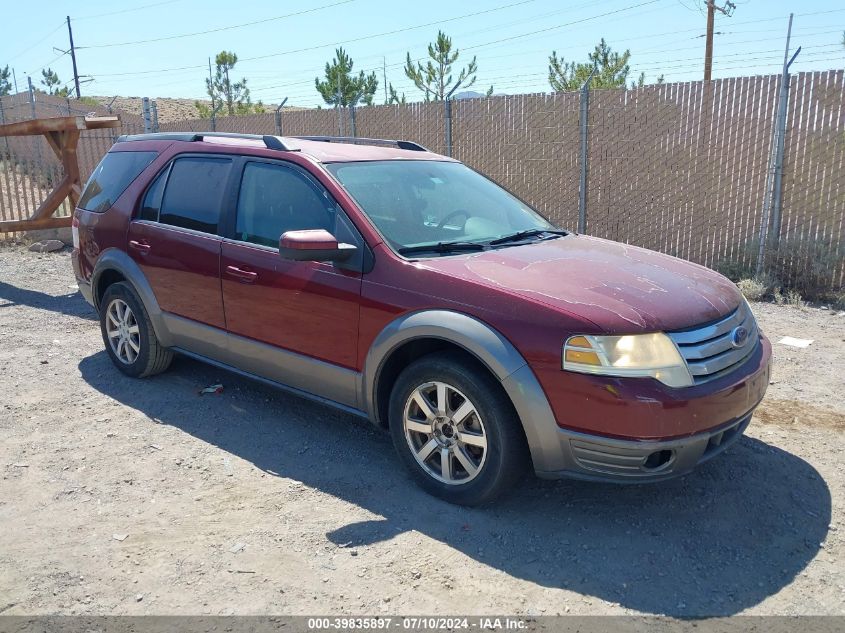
(73, 58)
(727, 10)
(384, 77)
(15, 79)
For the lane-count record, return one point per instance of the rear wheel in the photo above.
(128, 334)
(456, 430)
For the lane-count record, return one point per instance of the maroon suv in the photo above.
(404, 287)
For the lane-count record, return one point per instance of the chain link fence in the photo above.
(679, 168)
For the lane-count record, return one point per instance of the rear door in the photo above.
(175, 237)
(310, 308)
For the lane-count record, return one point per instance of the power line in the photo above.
(268, 88)
(26, 50)
(128, 10)
(218, 30)
(358, 39)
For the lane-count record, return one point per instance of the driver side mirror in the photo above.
(313, 245)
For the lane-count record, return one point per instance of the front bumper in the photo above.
(634, 430)
(598, 458)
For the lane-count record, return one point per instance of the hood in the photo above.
(620, 288)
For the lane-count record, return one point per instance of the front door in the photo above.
(309, 309)
(175, 241)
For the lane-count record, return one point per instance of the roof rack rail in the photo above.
(270, 141)
(360, 140)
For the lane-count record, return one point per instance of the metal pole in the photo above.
(73, 59)
(384, 77)
(145, 106)
(352, 118)
(339, 114)
(447, 104)
(279, 117)
(154, 108)
(773, 176)
(211, 94)
(31, 96)
(3, 121)
(583, 116)
(214, 116)
(783, 107)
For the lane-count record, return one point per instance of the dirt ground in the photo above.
(121, 496)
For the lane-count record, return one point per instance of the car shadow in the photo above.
(715, 542)
(71, 304)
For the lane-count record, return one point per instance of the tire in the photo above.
(487, 453)
(134, 329)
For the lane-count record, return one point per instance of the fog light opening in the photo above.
(658, 460)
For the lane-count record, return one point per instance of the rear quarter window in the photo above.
(112, 176)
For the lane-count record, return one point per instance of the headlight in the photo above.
(652, 355)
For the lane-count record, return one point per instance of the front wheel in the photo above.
(456, 430)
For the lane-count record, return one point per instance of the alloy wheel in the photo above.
(445, 433)
(123, 331)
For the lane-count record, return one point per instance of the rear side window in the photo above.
(112, 176)
(193, 194)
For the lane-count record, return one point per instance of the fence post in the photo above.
(145, 107)
(155, 116)
(279, 117)
(583, 115)
(2, 122)
(774, 176)
(447, 105)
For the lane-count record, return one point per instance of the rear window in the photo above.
(112, 176)
(194, 193)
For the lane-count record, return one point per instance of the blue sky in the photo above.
(512, 40)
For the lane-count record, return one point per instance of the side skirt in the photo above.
(287, 388)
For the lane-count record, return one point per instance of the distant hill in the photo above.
(469, 94)
(169, 109)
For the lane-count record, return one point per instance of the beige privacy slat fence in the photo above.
(680, 168)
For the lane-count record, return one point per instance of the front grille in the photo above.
(710, 351)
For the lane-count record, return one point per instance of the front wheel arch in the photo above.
(431, 330)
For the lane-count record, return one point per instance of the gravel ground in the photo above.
(121, 496)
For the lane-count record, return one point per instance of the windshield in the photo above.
(416, 203)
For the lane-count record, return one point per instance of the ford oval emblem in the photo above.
(739, 336)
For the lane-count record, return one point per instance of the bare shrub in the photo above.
(752, 289)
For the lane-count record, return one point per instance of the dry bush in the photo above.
(752, 289)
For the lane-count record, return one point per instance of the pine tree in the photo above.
(340, 87)
(611, 70)
(5, 84)
(234, 96)
(49, 79)
(435, 79)
(394, 96)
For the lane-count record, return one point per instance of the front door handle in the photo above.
(245, 276)
(141, 247)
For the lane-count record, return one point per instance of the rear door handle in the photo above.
(141, 247)
(246, 276)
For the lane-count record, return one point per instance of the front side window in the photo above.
(193, 195)
(415, 203)
(112, 176)
(274, 199)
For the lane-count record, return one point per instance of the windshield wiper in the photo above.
(520, 235)
(442, 247)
